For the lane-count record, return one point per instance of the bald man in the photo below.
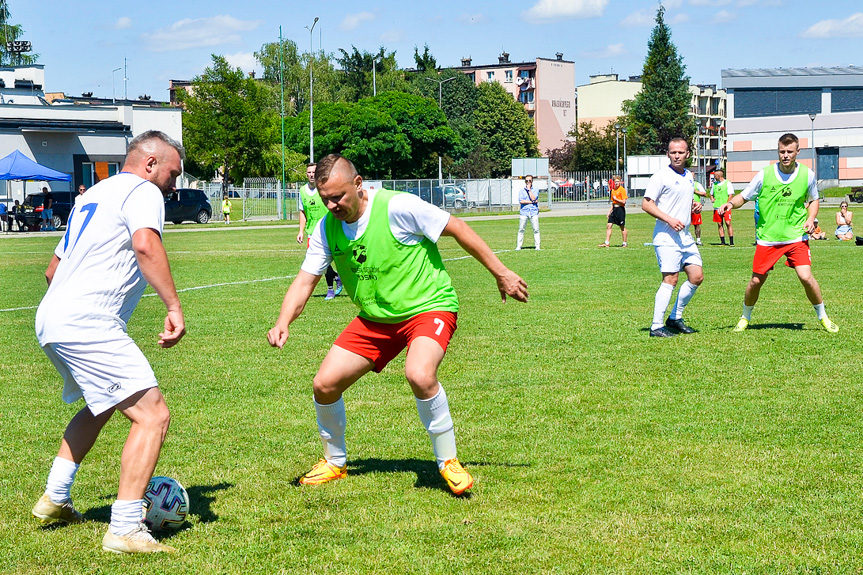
(111, 250)
(377, 239)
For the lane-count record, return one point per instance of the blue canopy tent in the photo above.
(17, 166)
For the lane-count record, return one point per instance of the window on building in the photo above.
(509, 77)
(524, 73)
(760, 103)
(526, 97)
(847, 100)
(95, 172)
(490, 76)
(472, 77)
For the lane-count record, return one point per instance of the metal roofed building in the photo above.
(822, 106)
(544, 86)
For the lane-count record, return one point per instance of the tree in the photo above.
(426, 62)
(660, 111)
(593, 149)
(425, 127)
(226, 126)
(504, 127)
(296, 75)
(10, 33)
(357, 78)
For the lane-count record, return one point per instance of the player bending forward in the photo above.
(383, 245)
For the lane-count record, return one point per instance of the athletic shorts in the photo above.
(717, 218)
(617, 216)
(673, 259)
(696, 219)
(381, 342)
(103, 373)
(796, 254)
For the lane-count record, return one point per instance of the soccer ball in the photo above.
(166, 504)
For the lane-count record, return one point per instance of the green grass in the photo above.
(595, 449)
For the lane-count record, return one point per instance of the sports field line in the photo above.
(229, 284)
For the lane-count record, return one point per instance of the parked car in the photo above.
(62, 206)
(185, 204)
(454, 196)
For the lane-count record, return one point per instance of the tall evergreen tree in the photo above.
(661, 110)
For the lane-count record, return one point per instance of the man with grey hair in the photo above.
(111, 250)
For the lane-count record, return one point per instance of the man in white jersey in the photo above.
(669, 199)
(377, 239)
(111, 251)
(787, 197)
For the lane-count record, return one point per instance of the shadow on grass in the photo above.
(795, 326)
(200, 502)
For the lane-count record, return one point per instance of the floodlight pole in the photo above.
(625, 181)
(282, 111)
(812, 145)
(440, 105)
(113, 90)
(311, 97)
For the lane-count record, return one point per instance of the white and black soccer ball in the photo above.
(166, 504)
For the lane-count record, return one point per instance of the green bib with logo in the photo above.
(782, 206)
(720, 193)
(313, 206)
(388, 280)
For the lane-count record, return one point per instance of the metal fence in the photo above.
(262, 198)
(581, 186)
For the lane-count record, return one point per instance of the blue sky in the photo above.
(82, 43)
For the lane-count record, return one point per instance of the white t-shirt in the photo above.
(411, 219)
(98, 283)
(750, 192)
(672, 193)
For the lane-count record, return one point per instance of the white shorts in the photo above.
(103, 373)
(673, 259)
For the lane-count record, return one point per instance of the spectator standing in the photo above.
(528, 200)
(617, 211)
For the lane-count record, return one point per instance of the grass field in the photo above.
(595, 449)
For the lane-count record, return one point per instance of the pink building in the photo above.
(545, 87)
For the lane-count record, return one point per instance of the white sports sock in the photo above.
(332, 421)
(434, 413)
(60, 479)
(663, 297)
(819, 309)
(747, 312)
(125, 515)
(684, 294)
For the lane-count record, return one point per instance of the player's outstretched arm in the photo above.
(295, 301)
(508, 282)
(153, 261)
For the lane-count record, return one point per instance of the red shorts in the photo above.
(796, 254)
(717, 218)
(696, 219)
(381, 342)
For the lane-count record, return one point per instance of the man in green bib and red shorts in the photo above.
(787, 198)
(384, 246)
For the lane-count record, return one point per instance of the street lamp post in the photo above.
(440, 105)
(625, 181)
(113, 90)
(812, 145)
(374, 76)
(311, 97)
(697, 148)
(617, 146)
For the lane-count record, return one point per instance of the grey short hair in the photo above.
(141, 140)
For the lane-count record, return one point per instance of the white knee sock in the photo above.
(663, 296)
(747, 312)
(819, 309)
(684, 294)
(332, 421)
(434, 413)
(60, 479)
(125, 515)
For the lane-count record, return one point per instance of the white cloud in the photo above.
(724, 16)
(552, 10)
(639, 19)
(850, 27)
(393, 36)
(243, 60)
(610, 51)
(200, 33)
(679, 19)
(472, 18)
(123, 23)
(353, 21)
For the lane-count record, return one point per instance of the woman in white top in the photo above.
(843, 223)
